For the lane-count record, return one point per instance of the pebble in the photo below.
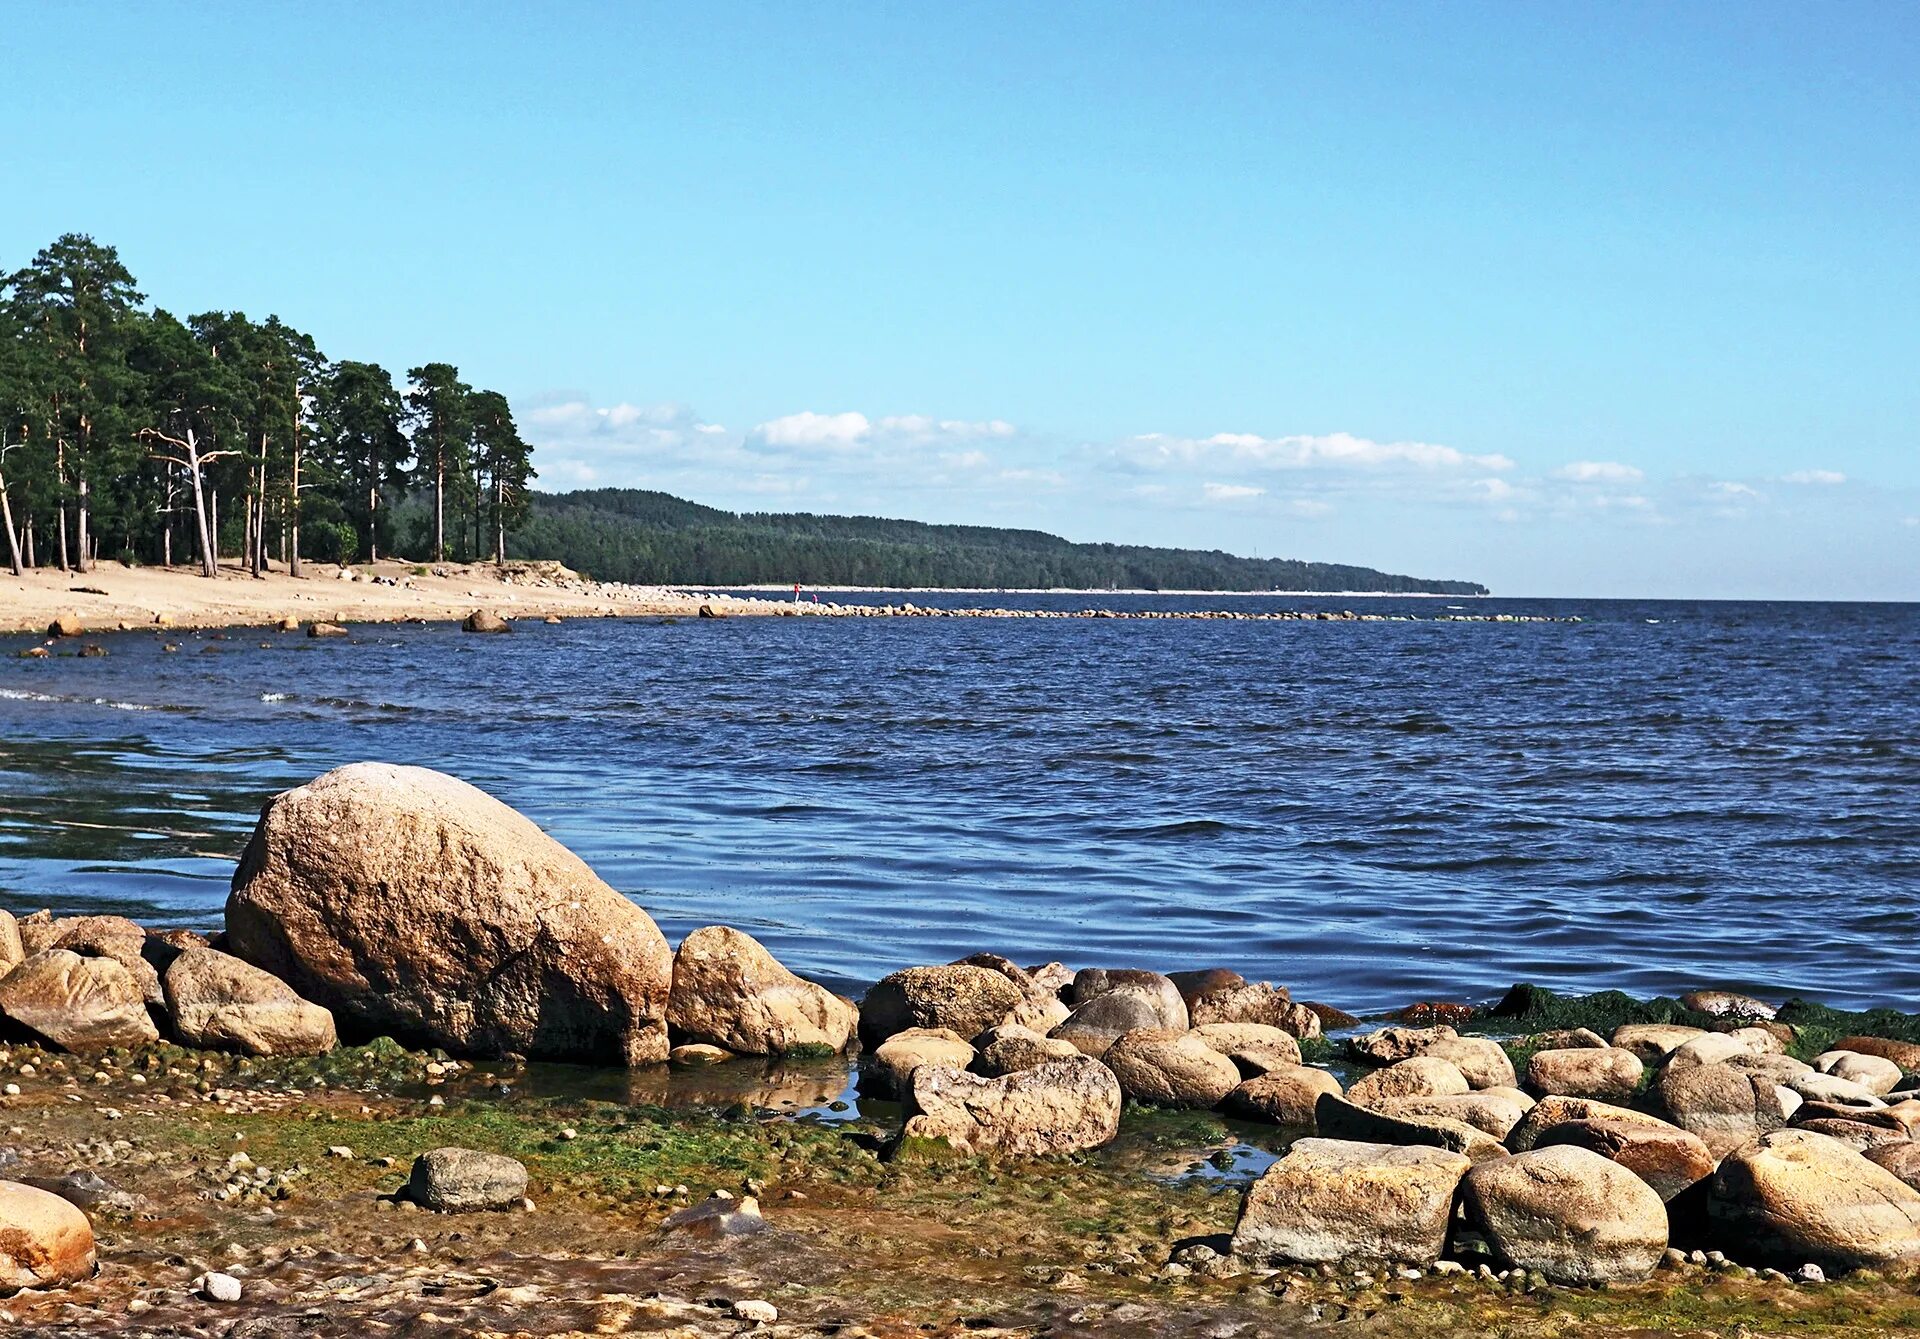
(1809, 1274)
(754, 1310)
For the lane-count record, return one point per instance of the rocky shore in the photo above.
(340, 1114)
(112, 597)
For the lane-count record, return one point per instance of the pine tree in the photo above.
(437, 410)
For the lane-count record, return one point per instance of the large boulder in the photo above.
(1171, 1069)
(1494, 1110)
(485, 620)
(1726, 1107)
(1253, 1002)
(1710, 1048)
(886, 1068)
(1652, 1041)
(1781, 1069)
(1796, 1197)
(113, 937)
(959, 997)
(1877, 1074)
(1341, 1119)
(45, 1242)
(1611, 1075)
(1331, 1201)
(412, 904)
(1062, 1106)
(1667, 1158)
(1283, 1096)
(1481, 1059)
(1726, 1004)
(1902, 1159)
(1390, 1045)
(1256, 1048)
(729, 991)
(1099, 1022)
(1832, 1090)
(216, 1000)
(1567, 1213)
(79, 1004)
(1010, 1048)
(1421, 1076)
(1551, 1111)
(1169, 1005)
(1905, 1054)
(13, 951)
(465, 1180)
(1040, 1009)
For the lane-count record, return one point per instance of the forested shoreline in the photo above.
(627, 534)
(130, 434)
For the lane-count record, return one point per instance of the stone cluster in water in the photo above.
(398, 901)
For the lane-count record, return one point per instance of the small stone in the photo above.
(339, 1151)
(218, 1287)
(755, 1311)
(1809, 1273)
(460, 1180)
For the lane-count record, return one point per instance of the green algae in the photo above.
(1528, 1008)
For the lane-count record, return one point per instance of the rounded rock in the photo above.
(45, 1242)
(1796, 1197)
(959, 997)
(1163, 1067)
(1567, 1214)
(465, 1180)
(1419, 1076)
(1610, 1075)
(728, 991)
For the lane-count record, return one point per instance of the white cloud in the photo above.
(1339, 450)
(1308, 506)
(1600, 472)
(1230, 492)
(1820, 477)
(1728, 489)
(807, 429)
(810, 431)
(1495, 490)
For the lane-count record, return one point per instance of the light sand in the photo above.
(113, 597)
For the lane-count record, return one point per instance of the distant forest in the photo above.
(622, 534)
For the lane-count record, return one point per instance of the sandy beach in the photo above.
(112, 596)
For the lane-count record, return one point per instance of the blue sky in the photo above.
(1570, 299)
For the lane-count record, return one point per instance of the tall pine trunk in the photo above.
(293, 511)
(440, 508)
(81, 530)
(13, 538)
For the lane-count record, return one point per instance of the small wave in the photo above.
(275, 697)
(1193, 827)
(28, 695)
(1421, 725)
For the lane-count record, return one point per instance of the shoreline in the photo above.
(113, 597)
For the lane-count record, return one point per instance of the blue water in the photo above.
(1661, 796)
